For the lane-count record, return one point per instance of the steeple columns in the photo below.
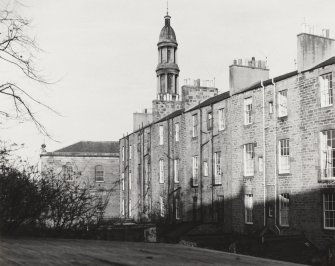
(167, 70)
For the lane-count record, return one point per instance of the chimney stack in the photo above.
(314, 49)
(242, 75)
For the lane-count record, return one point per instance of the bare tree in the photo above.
(71, 205)
(18, 49)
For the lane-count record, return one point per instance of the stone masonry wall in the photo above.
(224, 203)
(85, 168)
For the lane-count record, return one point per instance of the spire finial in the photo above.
(167, 7)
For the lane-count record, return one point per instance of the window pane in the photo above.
(326, 89)
(327, 154)
(221, 119)
(248, 205)
(99, 173)
(329, 210)
(247, 111)
(282, 103)
(284, 200)
(284, 156)
(249, 159)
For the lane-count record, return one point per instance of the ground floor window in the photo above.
(248, 205)
(122, 207)
(161, 206)
(329, 210)
(177, 209)
(284, 207)
(130, 208)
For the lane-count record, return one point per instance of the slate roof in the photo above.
(256, 85)
(328, 62)
(167, 33)
(92, 147)
(211, 100)
(226, 94)
(170, 116)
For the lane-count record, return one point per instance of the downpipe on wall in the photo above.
(264, 156)
(275, 125)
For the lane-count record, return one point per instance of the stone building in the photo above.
(92, 163)
(257, 157)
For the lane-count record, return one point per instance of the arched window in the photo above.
(99, 173)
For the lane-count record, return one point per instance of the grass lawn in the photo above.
(18, 251)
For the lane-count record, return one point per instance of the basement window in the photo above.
(177, 209)
(248, 205)
(284, 208)
(329, 210)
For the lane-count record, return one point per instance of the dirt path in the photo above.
(90, 252)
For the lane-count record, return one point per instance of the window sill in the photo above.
(325, 106)
(217, 184)
(326, 180)
(100, 181)
(284, 174)
(285, 226)
(329, 228)
(282, 118)
(249, 223)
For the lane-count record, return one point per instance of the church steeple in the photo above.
(167, 70)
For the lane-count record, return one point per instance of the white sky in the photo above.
(103, 54)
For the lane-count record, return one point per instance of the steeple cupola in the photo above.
(167, 70)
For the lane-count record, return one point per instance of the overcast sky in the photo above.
(103, 55)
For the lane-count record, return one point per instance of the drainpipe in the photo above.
(170, 217)
(275, 124)
(126, 159)
(143, 172)
(264, 158)
(200, 166)
(212, 163)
